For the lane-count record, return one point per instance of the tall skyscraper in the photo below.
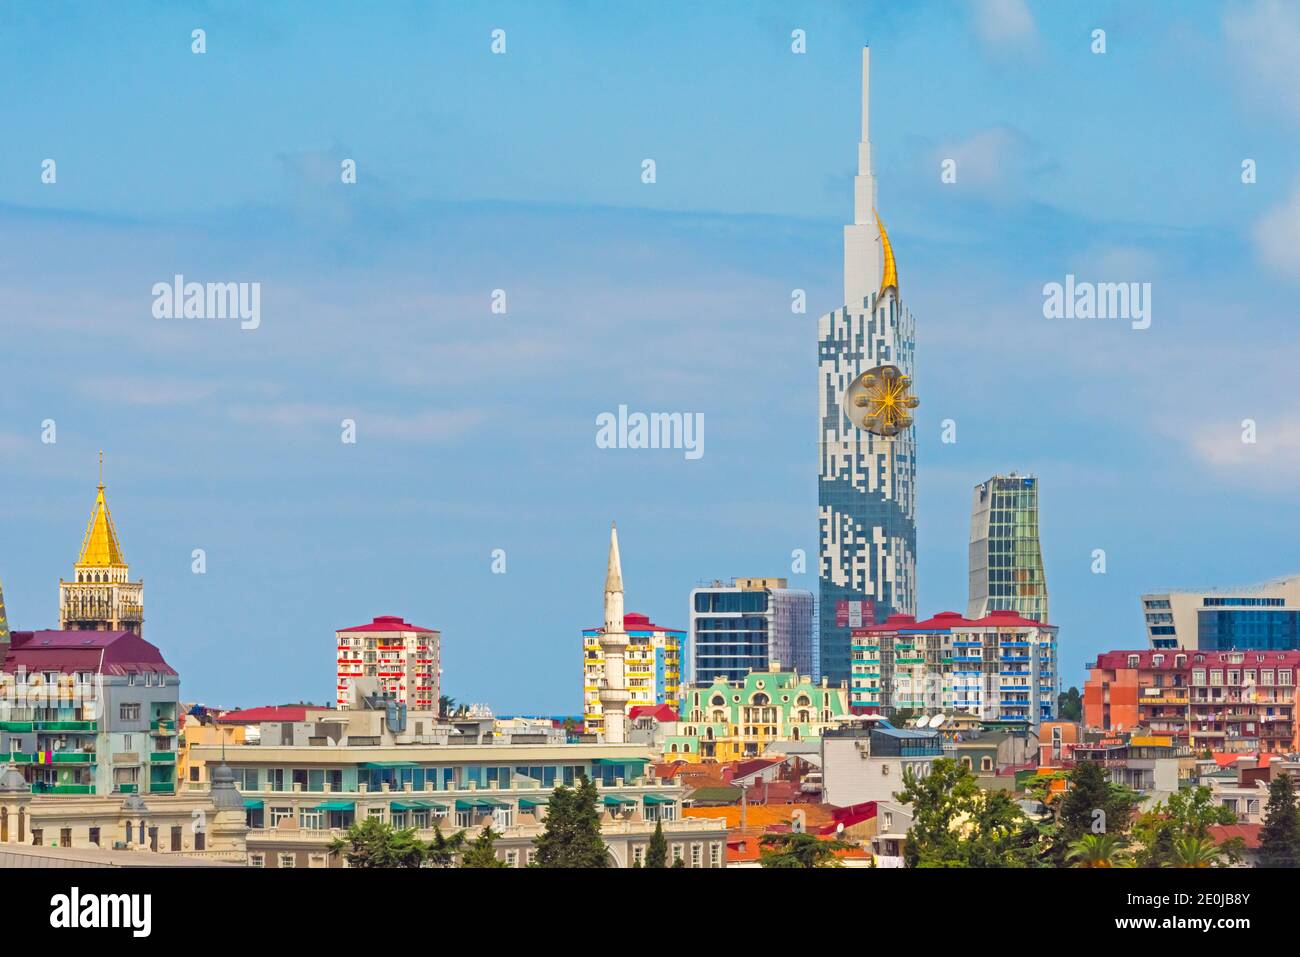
(866, 448)
(101, 596)
(750, 624)
(1006, 561)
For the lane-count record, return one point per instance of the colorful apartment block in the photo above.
(731, 720)
(1001, 667)
(88, 712)
(403, 658)
(1236, 701)
(652, 667)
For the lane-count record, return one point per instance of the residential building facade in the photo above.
(731, 720)
(865, 760)
(1006, 560)
(404, 659)
(999, 667)
(749, 624)
(1235, 701)
(89, 713)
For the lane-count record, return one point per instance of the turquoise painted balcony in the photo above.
(68, 726)
(163, 757)
(74, 757)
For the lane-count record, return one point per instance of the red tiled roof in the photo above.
(950, 619)
(290, 712)
(744, 768)
(660, 712)
(386, 623)
(1249, 834)
(635, 623)
(103, 652)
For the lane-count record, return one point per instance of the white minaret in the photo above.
(863, 256)
(614, 695)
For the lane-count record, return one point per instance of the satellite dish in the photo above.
(937, 721)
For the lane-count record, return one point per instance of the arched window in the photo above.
(759, 699)
(718, 701)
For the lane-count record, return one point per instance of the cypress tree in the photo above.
(1279, 838)
(657, 853)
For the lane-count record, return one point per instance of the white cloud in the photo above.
(1272, 459)
(1277, 235)
(997, 161)
(1263, 38)
(1005, 26)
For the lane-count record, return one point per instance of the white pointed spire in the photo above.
(614, 576)
(863, 257)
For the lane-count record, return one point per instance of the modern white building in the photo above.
(865, 760)
(1265, 616)
(866, 447)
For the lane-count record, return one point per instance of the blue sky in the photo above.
(476, 431)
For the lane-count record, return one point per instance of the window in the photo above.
(200, 840)
(65, 837)
(317, 860)
(94, 836)
(715, 854)
(176, 838)
(278, 814)
(256, 860)
(130, 712)
(512, 858)
(638, 855)
(1284, 677)
(697, 855)
(287, 861)
(194, 773)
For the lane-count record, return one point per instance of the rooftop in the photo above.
(101, 652)
(387, 623)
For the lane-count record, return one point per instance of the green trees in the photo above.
(799, 850)
(1188, 813)
(1092, 805)
(571, 836)
(373, 843)
(481, 851)
(1098, 850)
(956, 824)
(1193, 851)
(442, 850)
(657, 853)
(1279, 838)
(1069, 705)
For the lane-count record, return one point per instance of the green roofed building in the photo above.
(731, 720)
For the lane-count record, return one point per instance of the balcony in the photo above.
(163, 757)
(165, 726)
(17, 727)
(81, 727)
(41, 788)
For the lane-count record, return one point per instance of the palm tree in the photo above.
(1192, 851)
(1097, 850)
(446, 706)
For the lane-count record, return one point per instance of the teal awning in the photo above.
(384, 765)
(614, 800)
(659, 799)
(252, 804)
(617, 761)
(405, 806)
(532, 802)
(336, 806)
(431, 805)
(479, 804)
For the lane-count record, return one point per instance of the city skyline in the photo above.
(376, 307)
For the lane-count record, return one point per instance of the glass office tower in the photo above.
(1006, 561)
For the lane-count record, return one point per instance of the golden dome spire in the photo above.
(100, 548)
(890, 277)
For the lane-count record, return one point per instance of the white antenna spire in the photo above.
(863, 257)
